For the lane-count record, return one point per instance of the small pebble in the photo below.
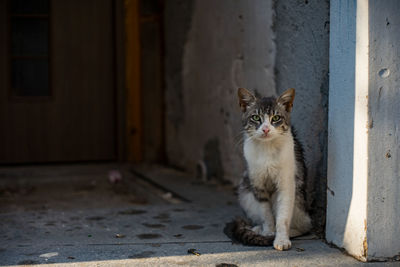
(49, 255)
(193, 251)
(119, 236)
(114, 176)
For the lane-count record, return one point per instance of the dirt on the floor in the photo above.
(67, 191)
(147, 216)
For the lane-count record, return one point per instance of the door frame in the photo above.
(132, 149)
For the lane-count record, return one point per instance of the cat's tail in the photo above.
(239, 230)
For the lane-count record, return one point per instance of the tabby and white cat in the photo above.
(272, 190)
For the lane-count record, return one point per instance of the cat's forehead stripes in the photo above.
(266, 108)
(267, 104)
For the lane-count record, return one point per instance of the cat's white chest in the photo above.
(266, 161)
(262, 162)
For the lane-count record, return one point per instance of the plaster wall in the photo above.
(213, 49)
(302, 62)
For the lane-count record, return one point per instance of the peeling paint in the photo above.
(331, 191)
(370, 124)
(365, 243)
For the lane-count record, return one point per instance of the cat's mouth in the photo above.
(265, 136)
(261, 136)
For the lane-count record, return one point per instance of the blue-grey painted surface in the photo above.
(363, 211)
(384, 141)
(341, 118)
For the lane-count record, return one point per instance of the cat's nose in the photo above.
(265, 130)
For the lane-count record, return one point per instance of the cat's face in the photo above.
(267, 118)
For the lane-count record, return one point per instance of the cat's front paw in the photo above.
(282, 243)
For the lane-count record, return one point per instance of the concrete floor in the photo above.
(73, 215)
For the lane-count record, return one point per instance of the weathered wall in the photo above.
(363, 211)
(151, 78)
(302, 62)
(383, 210)
(212, 48)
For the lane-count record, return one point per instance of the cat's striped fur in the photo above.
(272, 191)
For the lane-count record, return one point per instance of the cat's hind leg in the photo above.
(301, 222)
(259, 212)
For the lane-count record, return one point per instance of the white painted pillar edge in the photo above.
(347, 129)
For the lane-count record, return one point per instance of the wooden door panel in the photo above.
(77, 122)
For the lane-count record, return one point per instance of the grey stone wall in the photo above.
(212, 48)
(302, 62)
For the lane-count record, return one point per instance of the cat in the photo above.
(271, 192)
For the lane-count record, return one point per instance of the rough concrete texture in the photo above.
(46, 227)
(304, 253)
(222, 45)
(383, 209)
(302, 62)
(363, 204)
(177, 21)
(212, 48)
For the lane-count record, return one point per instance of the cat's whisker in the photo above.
(240, 138)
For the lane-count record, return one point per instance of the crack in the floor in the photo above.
(160, 243)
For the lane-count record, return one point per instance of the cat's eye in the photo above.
(276, 118)
(255, 118)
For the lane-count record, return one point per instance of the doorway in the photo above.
(58, 84)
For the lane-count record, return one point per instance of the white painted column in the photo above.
(363, 128)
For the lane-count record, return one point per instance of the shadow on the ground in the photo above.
(76, 215)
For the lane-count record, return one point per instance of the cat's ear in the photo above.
(286, 99)
(246, 98)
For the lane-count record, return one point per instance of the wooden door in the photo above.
(72, 118)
